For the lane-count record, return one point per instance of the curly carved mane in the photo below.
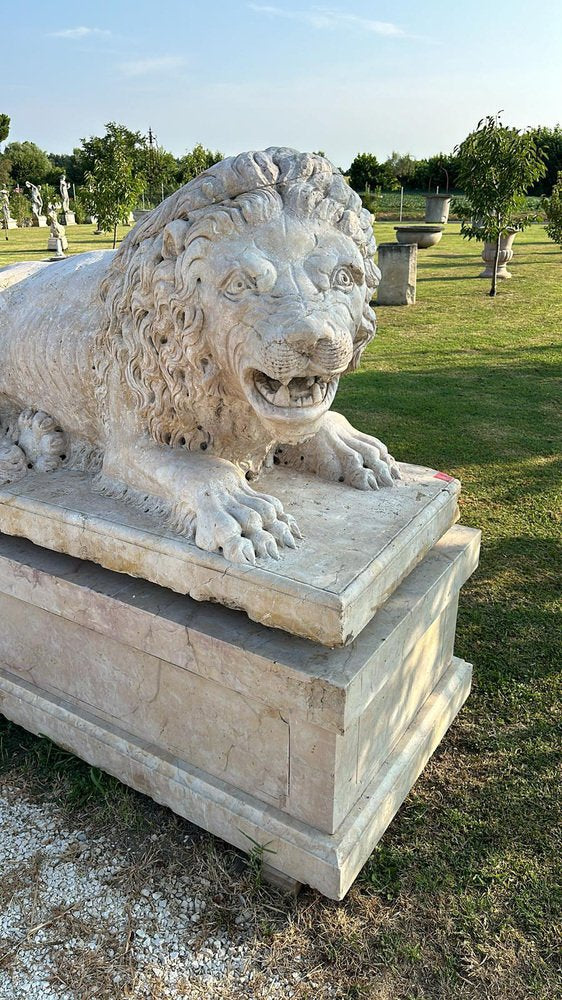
(155, 326)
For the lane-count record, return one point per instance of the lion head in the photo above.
(240, 301)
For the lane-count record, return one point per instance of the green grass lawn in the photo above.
(459, 899)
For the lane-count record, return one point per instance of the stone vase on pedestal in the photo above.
(506, 254)
(437, 208)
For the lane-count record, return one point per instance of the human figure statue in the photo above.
(5, 207)
(6, 217)
(57, 231)
(36, 199)
(65, 197)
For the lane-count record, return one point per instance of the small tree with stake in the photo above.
(114, 182)
(496, 166)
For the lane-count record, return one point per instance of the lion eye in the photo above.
(238, 283)
(342, 278)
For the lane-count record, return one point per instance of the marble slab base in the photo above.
(251, 733)
(356, 546)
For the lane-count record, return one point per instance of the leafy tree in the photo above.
(196, 161)
(70, 164)
(21, 208)
(5, 171)
(402, 166)
(553, 210)
(160, 169)
(4, 127)
(114, 184)
(367, 174)
(496, 165)
(28, 163)
(549, 145)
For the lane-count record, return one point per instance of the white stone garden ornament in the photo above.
(211, 343)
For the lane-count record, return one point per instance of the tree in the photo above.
(160, 169)
(496, 166)
(29, 163)
(4, 127)
(402, 166)
(114, 184)
(196, 161)
(553, 210)
(549, 145)
(366, 174)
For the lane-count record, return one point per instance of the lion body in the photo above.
(221, 326)
(49, 322)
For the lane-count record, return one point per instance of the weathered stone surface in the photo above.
(215, 335)
(364, 543)
(437, 208)
(299, 727)
(398, 266)
(328, 862)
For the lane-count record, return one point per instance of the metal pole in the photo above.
(401, 202)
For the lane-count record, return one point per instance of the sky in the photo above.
(342, 77)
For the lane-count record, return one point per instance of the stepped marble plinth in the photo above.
(356, 546)
(247, 731)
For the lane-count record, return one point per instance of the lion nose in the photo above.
(309, 335)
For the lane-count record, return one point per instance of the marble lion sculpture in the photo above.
(209, 344)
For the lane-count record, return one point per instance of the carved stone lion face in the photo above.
(287, 298)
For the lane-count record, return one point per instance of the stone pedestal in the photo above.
(253, 734)
(11, 224)
(39, 221)
(398, 266)
(68, 219)
(437, 208)
(257, 735)
(357, 546)
(54, 241)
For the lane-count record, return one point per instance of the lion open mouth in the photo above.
(307, 392)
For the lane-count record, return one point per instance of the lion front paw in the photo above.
(241, 524)
(339, 453)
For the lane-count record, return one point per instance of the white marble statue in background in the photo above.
(210, 344)
(6, 217)
(36, 199)
(65, 197)
(57, 231)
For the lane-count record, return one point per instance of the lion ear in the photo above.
(173, 241)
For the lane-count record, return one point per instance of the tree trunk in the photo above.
(495, 267)
(115, 240)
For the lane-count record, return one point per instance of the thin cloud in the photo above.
(81, 32)
(156, 64)
(325, 17)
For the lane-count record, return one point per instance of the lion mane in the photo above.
(155, 327)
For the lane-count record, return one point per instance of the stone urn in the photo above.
(505, 255)
(422, 236)
(437, 208)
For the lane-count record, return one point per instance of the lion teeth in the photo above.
(282, 397)
(317, 393)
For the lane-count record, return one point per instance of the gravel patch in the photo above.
(79, 920)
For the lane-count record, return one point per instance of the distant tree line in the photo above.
(153, 172)
(366, 173)
(123, 169)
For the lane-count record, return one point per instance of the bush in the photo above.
(21, 209)
(553, 210)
